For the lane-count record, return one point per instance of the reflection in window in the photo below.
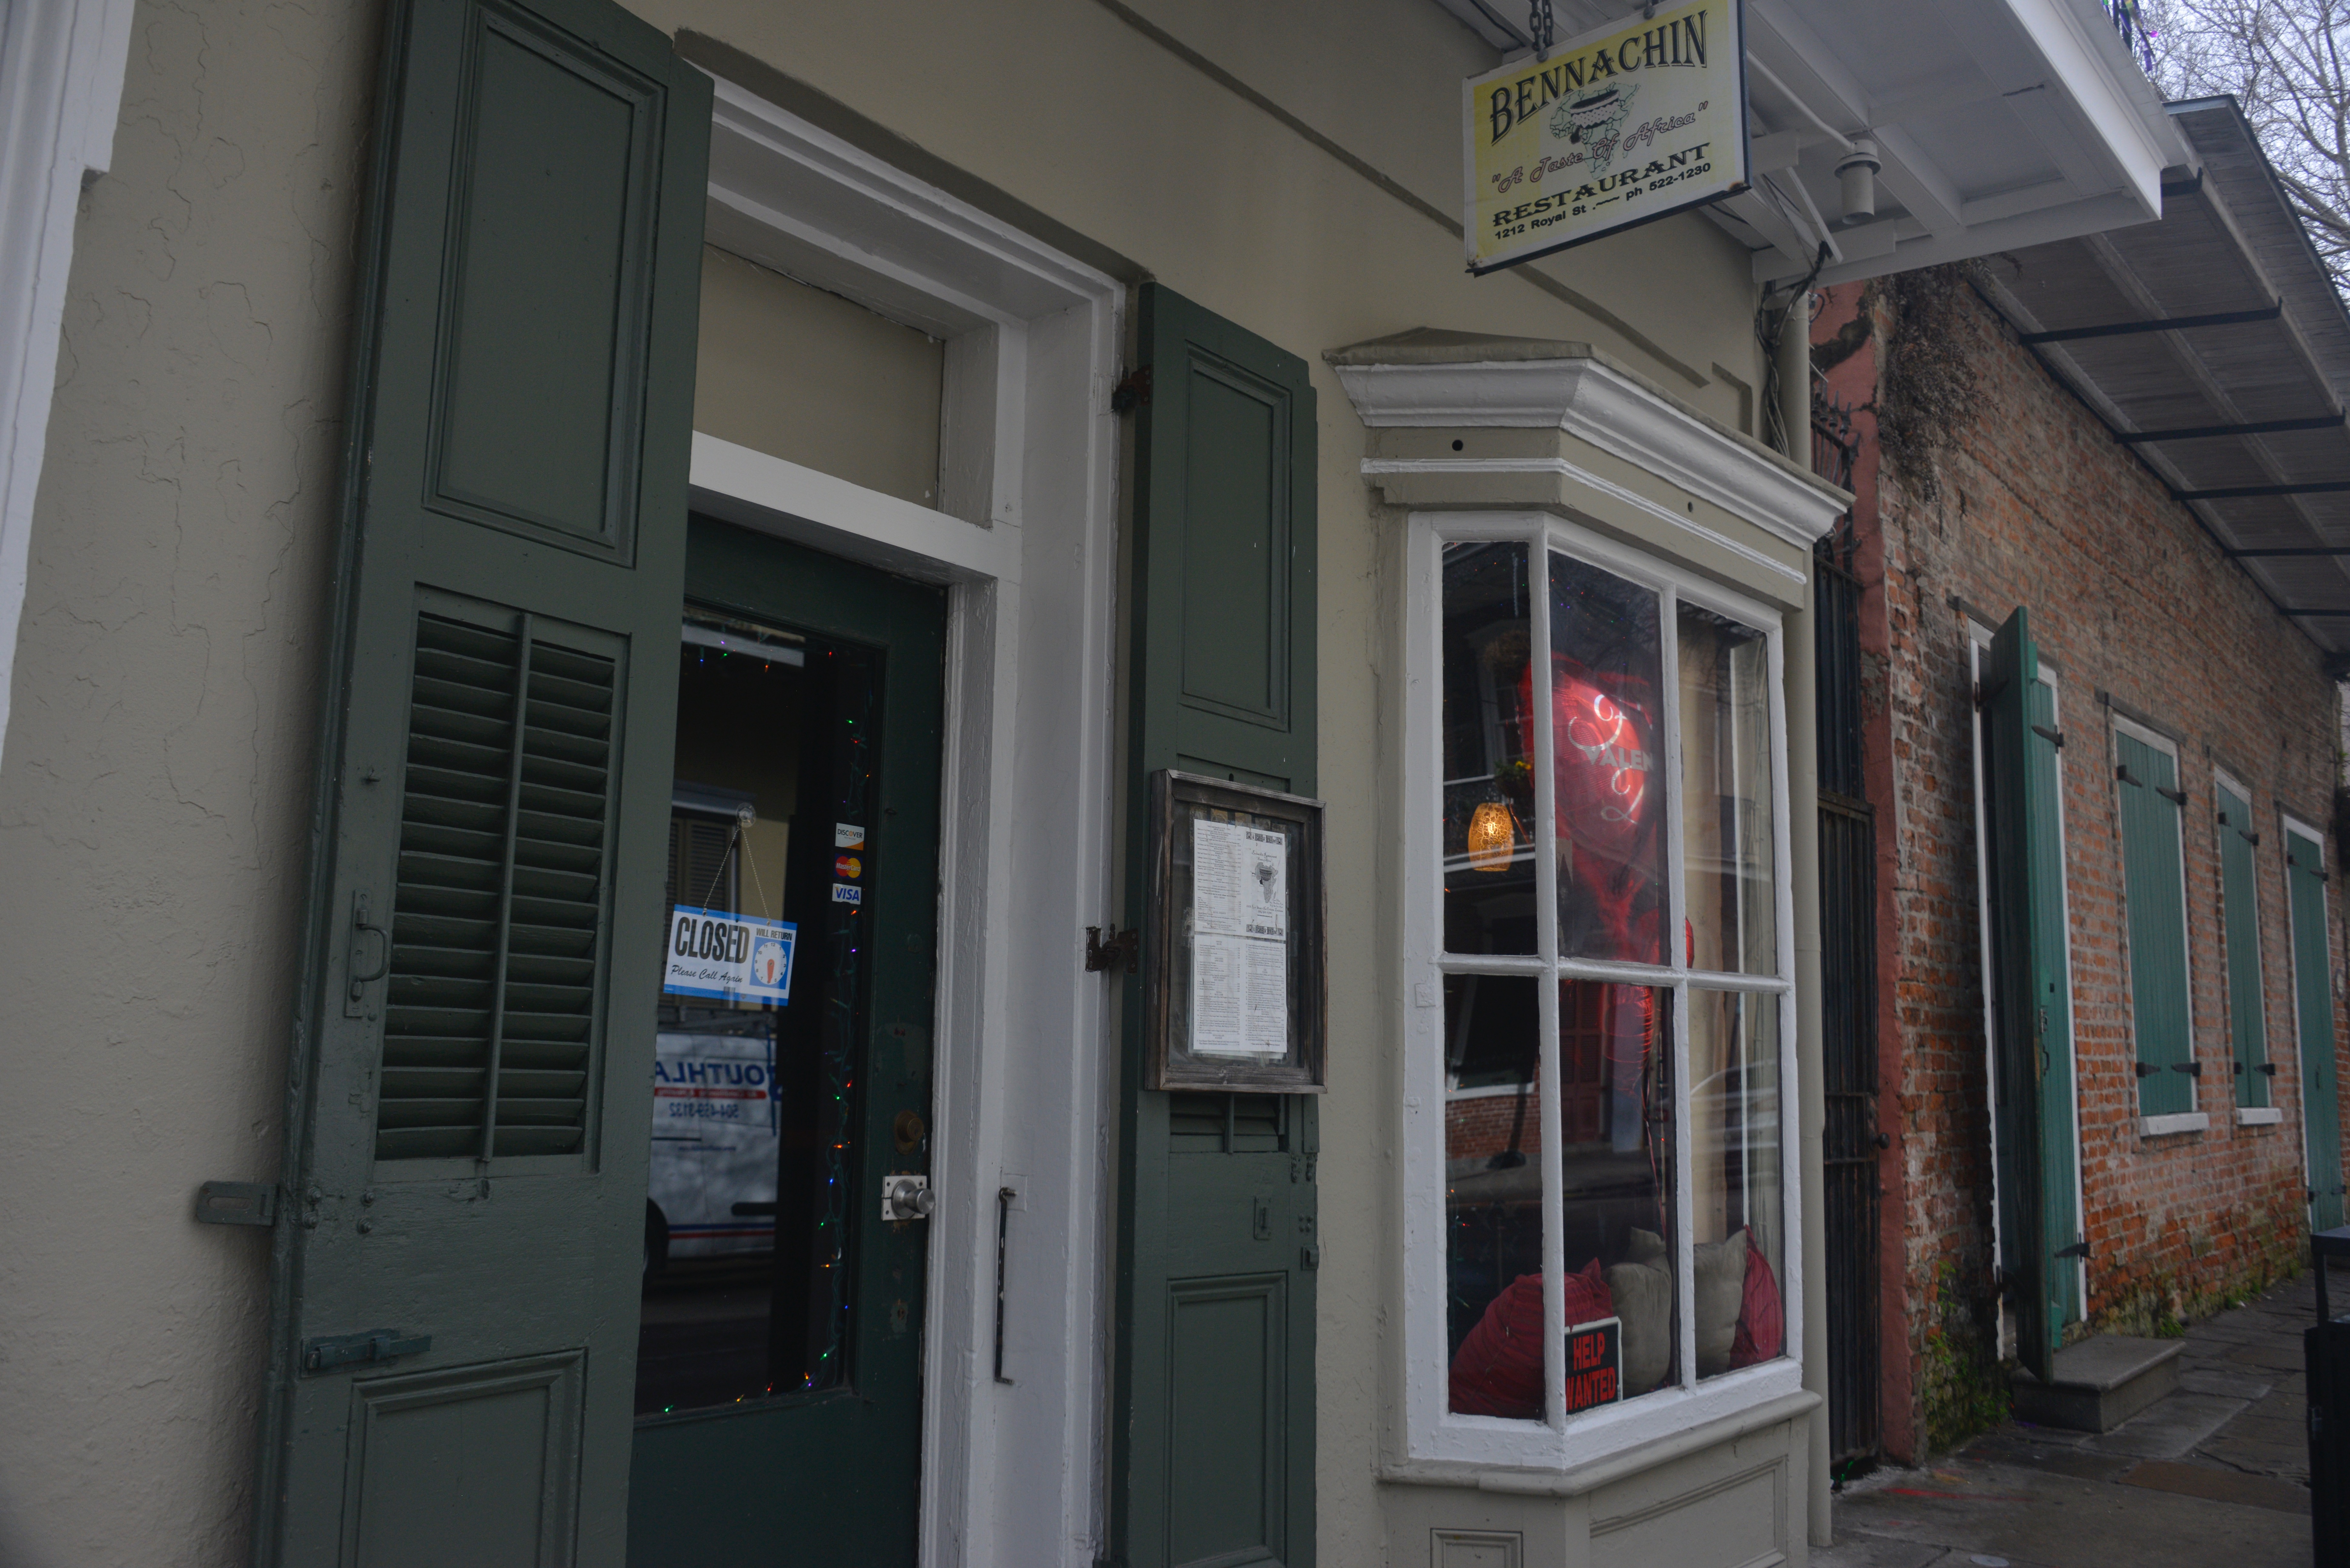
(1488, 799)
(1738, 1210)
(1727, 843)
(1616, 1160)
(1606, 723)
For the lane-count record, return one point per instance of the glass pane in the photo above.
(1738, 1212)
(1489, 796)
(1606, 704)
(1493, 1194)
(1726, 827)
(1616, 1120)
(746, 1220)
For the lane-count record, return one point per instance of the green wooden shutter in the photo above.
(2039, 1222)
(1214, 1428)
(2154, 890)
(467, 1116)
(2239, 918)
(2312, 998)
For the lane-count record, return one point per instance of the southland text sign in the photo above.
(1621, 126)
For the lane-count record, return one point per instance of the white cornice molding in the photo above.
(1479, 467)
(61, 70)
(1594, 401)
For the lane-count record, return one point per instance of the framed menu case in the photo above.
(1236, 968)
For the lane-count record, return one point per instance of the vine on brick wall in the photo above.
(1929, 390)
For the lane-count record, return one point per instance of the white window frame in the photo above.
(2195, 1118)
(2271, 1114)
(1979, 641)
(1431, 1432)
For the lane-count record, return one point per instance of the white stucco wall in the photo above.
(154, 788)
(157, 775)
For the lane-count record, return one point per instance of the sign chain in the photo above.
(1542, 25)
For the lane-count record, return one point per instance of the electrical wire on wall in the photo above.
(1769, 325)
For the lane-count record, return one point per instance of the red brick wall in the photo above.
(2039, 506)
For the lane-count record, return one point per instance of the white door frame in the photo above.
(1025, 541)
(2294, 828)
(61, 67)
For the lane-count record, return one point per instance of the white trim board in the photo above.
(61, 68)
(1591, 399)
(1025, 540)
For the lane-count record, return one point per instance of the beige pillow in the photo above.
(1644, 1300)
(1720, 1288)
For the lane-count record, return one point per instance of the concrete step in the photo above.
(2099, 1383)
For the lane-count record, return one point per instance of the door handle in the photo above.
(354, 999)
(906, 1197)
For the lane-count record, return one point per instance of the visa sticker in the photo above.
(848, 835)
(847, 866)
(847, 893)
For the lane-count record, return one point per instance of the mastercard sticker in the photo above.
(847, 866)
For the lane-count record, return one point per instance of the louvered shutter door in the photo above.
(2032, 989)
(457, 1263)
(2313, 994)
(2239, 920)
(1212, 1456)
(2154, 893)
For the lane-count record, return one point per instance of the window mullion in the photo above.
(1554, 1169)
(1669, 665)
(1684, 1206)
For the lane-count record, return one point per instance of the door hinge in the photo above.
(236, 1203)
(2054, 737)
(2077, 1249)
(1309, 1256)
(1132, 394)
(2122, 773)
(2174, 796)
(1121, 951)
(2192, 1069)
(334, 1350)
(2146, 1069)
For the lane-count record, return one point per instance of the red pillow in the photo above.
(1499, 1368)
(1761, 1318)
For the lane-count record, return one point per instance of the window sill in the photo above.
(2164, 1127)
(2258, 1116)
(1575, 1479)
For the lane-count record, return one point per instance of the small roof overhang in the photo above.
(1999, 124)
(2214, 344)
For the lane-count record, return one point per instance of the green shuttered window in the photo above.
(2240, 927)
(2031, 987)
(2154, 889)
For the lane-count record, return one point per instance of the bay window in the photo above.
(1600, 1236)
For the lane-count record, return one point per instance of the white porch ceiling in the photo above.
(1999, 124)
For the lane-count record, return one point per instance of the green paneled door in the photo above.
(2153, 891)
(460, 1233)
(2312, 1011)
(2040, 1230)
(815, 1456)
(2248, 1031)
(1212, 1440)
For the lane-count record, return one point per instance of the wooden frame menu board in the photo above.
(1236, 970)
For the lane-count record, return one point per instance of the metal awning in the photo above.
(2214, 344)
(1996, 123)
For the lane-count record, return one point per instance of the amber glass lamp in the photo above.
(1493, 836)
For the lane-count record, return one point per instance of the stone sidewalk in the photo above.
(2215, 1473)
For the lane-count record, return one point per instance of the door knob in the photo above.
(906, 1197)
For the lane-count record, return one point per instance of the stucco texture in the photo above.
(155, 789)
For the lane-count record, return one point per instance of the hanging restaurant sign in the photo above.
(1633, 122)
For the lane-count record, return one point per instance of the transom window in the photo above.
(1605, 1017)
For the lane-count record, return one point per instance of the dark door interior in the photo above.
(779, 1362)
